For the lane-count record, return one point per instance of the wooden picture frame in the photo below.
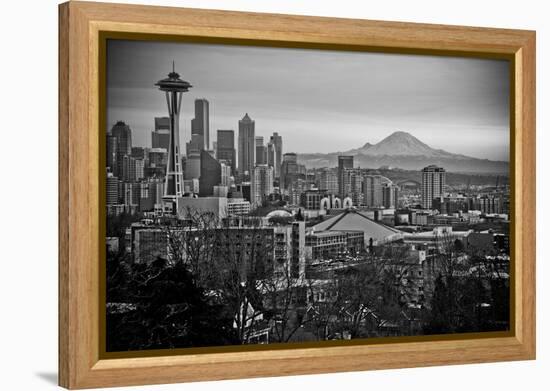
(81, 25)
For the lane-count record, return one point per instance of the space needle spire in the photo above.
(173, 87)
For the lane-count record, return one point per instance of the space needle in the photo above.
(173, 87)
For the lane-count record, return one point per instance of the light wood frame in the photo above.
(80, 24)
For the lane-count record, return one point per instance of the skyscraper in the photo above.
(328, 181)
(373, 194)
(123, 135)
(352, 185)
(343, 163)
(277, 142)
(211, 174)
(160, 137)
(246, 145)
(433, 185)
(173, 87)
(271, 156)
(262, 183)
(226, 148)
(112, 153)
(261, 151)
(112, 189)
(193, 165)
(200, 125)
(390, 195)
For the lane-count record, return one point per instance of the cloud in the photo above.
(339, 99)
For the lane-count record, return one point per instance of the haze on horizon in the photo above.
(318, 100)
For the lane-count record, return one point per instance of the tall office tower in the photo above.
(277, 142)
(160, 137)
(193, 165)
(112, 189)
(140, 153)
(210, 176)
(226, 148)
(328, 181)
(372, 186)
(246, 145)
(271, 156)
(225, 175)
(262, 184)
(157, 158)
(173, 87)
(433, 185)
(123, 135)
(200, 125)
(390, 195)
(215, 148)
(343, 163)
(132, 169)
(352, 185)
(289, 170)
(261, 151)
(111, 153)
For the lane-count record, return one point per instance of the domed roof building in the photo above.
(279, 213)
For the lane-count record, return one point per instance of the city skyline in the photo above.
(471, 94)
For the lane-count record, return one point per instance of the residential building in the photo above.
(433, 185)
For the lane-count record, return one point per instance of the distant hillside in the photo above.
(403, 150)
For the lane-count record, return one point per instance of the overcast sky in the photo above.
(319, 101)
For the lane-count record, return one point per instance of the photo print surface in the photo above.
(260, 195)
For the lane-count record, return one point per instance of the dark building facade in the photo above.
(123, 135)
(160, 137)
(211, 174)
(277, 142)
(226, 148)
(200, 125)
(433, 185)
(111, 153)
(344, 162)
(247, 147)
(261, 151)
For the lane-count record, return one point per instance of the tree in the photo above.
(167, 310)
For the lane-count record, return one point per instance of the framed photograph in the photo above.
(247, 195)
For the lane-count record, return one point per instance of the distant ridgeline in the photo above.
(402, 150)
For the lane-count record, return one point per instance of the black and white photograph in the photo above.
(273, 195)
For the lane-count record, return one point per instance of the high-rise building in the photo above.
(352, 185)
(262, 183)
(160, 137)
(112, 189)
(111, 153)
(246, 145)
(132, 169)
(289, 170)
(173, 87)
(210, 174)
(193, 165)
(390, 195)
(277, 142)
(343, 163)
(140, 152)
(328, 181)
(225, 179)
(226, 148)
(200, 125)
(373, 194)
(123, 135)
(271, 156)
(157, 160)
(433, 185)
(261, 151)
